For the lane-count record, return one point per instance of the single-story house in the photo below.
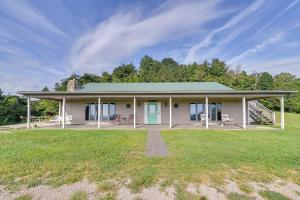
(191, 103)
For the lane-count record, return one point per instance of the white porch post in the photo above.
(99, 113)
(282, 112)
(64, 112)
(28, 112)
(206, 112)
(59, 110)
(134, 112)
(244, 112)
(170, 104)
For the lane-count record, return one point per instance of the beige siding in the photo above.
(77, 110)
(181, 115)
(234, 109)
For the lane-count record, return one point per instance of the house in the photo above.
(171, 103)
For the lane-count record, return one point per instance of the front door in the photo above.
(153, 113)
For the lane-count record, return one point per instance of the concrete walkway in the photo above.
(156, 146)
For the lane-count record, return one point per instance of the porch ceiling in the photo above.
(157, 95)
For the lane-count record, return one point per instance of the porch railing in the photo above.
(260, 113)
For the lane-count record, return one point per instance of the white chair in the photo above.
(226, 120)
(59, 118)
(68, 119)
(203, 119)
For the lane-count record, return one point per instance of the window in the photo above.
(108, 111)
(90, 111)
(214, 111)
(193, 112)
(196, 109)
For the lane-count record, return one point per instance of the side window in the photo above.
(87, 113)
(193, 112)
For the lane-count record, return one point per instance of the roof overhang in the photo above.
(251, 94)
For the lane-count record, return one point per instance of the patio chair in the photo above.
(130, 119)
(117, 119)
(226, 120)
(203, 119)
(59, 118)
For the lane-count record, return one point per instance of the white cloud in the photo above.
(260, 47)
(191, 56)
(125, 33)
(26, 13)
(290, 6)
(287, 64)
(24, 73)
(222, 44)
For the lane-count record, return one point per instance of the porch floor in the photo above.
(140, 126)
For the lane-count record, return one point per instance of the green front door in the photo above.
(152, 113)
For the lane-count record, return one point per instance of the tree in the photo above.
(149, 70)
(106, 77)
(11, 109)
(45, 89)
(44, 107)
(283, 81)
(125, 73)
(265, 81)
(217, 68)
(169, 62)
(89, 78)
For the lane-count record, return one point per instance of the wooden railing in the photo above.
(262, 112)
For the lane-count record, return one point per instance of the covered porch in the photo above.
(177, 112)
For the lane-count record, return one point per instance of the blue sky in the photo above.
(44, 41)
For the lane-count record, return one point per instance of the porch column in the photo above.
(134, 112)
(64, 112)
(274, 118)
(244, 112)
(99, 113)
(206, 112)
(28, 112)
(170, 120)
(59, 110)
(282, 112)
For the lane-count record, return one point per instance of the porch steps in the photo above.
(260, 114)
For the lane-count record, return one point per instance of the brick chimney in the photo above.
(73, 85)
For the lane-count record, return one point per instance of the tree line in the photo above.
(167, 70)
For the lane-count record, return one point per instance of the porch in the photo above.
(164, 112)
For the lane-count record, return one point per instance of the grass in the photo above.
(24, 197)
(143, 178)
(237, 196)
(106, 186)
(56, 157)
(80, 195)
(271, 195)
(200, 155)
(182, 194)
(109, 196)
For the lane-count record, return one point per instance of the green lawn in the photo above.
(64, 156)
(215, 154)
(55, 157)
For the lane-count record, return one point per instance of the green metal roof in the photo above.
(169, 87)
